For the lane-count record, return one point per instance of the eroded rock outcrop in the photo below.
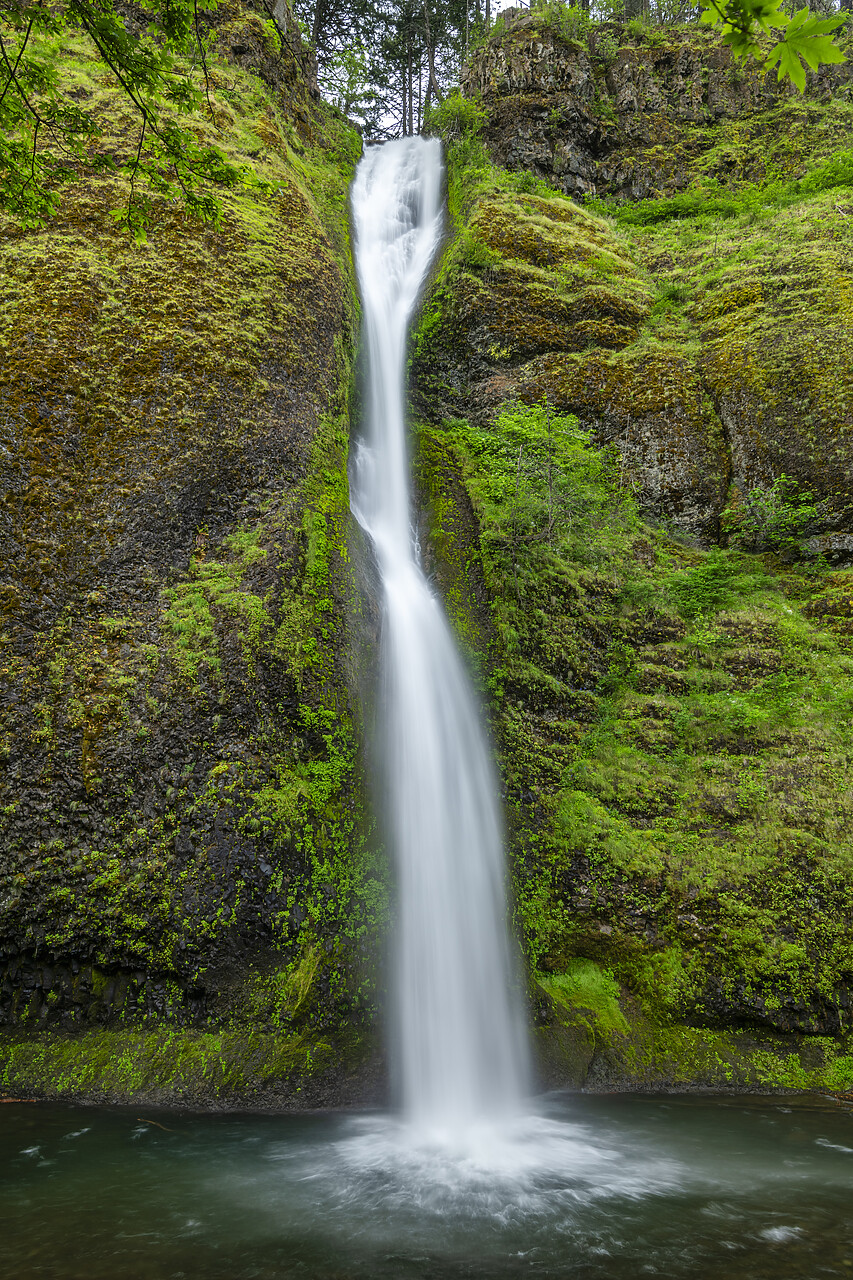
(543, 300)
(630, 117)
(714, 353)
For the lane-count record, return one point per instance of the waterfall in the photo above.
(459, 1045)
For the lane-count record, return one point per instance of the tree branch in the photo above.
(31, 179)
(203, 61)
(11, 78)
(135, 168)
(99, 45)
(14, 77)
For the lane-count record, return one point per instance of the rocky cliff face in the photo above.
(708, 339)
(636, 115)
(181, 804)
(680, 853)
(545, 300)
(189, 903)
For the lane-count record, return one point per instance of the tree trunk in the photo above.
(420, 94)
(318, 23)
(404, 100)
(431, 56)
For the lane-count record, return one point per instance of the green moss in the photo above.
(772, 316)
(673, 724)
(130, 1064)
(651, 1050)
(217, 586)
(669, 824)
(163, 334)
(181, 515)
(587, 988)
(841, 1074)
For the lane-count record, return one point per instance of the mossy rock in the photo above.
(636, 113)
(777, 337)
(673, 728)
(537, 313)
(180, 777)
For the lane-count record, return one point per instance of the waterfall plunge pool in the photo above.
(588, 1187)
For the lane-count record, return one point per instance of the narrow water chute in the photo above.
(460, 1042)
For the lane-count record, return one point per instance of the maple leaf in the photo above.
(807, 39)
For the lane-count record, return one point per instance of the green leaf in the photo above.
(808, 40)
(789, 64)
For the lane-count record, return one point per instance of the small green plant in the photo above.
(458, 121)
(544, 485)
(606, 47)
(841, 1074)
(771, 517)
(570, 20)
(835, 172)
(637, 28)
(455, 118)
(721, 580)
(475, 253)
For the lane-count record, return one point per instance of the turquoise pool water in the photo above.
(589, 1187)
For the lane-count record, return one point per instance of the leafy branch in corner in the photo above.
(47, 138)
(806, 38)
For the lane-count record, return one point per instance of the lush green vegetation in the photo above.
(167, 64)
(48, 138)
(675, 733)
(672, 715)
(674, 723)
(711, 200)
(184, 719)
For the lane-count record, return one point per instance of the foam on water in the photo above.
(597, 1188)
(536, 1174)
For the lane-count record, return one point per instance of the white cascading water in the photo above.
(460, 1043)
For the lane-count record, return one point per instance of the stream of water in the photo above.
(459, 1046)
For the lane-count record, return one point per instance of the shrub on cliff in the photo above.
(771, 517)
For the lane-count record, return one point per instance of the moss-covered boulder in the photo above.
(541, 299)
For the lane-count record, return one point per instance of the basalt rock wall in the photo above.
(630, 116)
(181, 805)
(712, 349)
(670, 697)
